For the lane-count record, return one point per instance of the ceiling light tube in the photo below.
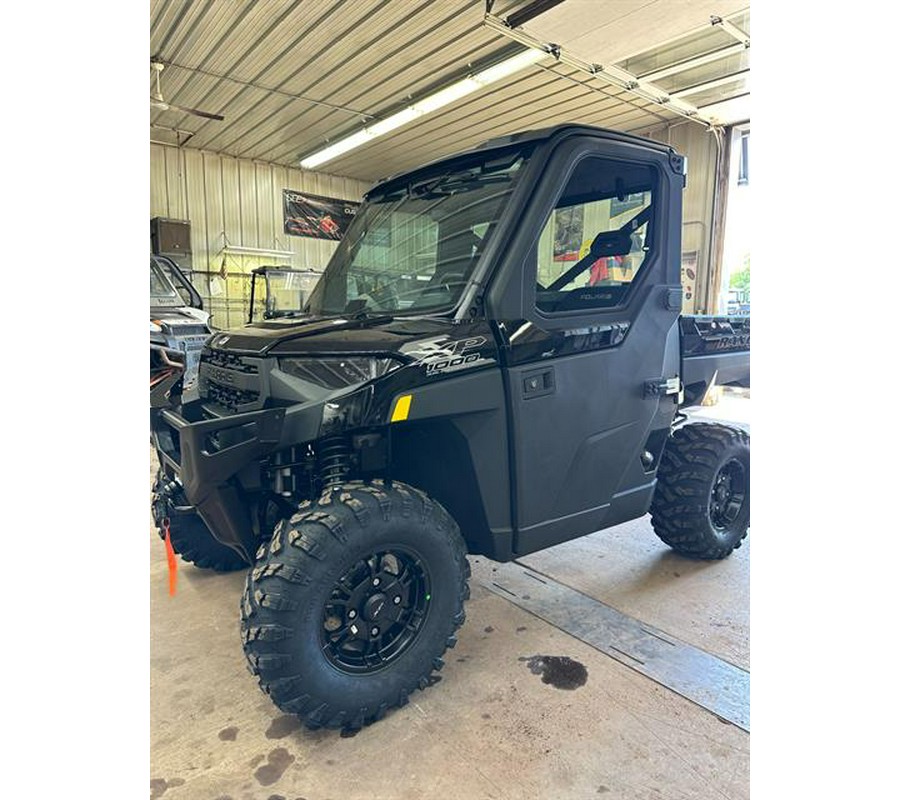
(426, 105)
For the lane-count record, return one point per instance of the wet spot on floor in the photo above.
(485, 716)
(330, 761)
(602, 789)
(521, 628)
(283, 726)
(277, 797)
(279, 760)
(228, 734)
(462, 660)
(677, 574)
(561, 672)
(158, 786)
(526, 597)
(489, 629)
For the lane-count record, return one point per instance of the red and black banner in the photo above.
(316, 217)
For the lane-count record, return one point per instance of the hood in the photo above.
(329, 335)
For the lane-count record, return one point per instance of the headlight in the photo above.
(337, 373)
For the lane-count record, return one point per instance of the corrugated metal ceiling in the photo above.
(291, 76)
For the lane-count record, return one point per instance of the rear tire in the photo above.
(701, 506)
(190, 537)
(354, 601)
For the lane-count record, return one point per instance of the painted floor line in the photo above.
(711, 682)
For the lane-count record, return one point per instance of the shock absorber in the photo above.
(333, 463)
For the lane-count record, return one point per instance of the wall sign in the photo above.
(316, 217)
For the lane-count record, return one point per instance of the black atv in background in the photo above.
(509, 377)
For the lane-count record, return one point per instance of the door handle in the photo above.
(538, 383)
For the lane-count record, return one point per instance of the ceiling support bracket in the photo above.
(609, 72)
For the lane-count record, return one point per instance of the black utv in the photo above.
(493, 362)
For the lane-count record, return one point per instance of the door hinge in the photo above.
(662, 386)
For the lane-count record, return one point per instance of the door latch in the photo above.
(662, 386)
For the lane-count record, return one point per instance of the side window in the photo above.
(597, 238)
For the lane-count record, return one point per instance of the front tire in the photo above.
(354, 601)
(701, 506)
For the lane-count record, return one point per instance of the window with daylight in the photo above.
(597, 237)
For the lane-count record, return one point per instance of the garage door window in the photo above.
(597, 238)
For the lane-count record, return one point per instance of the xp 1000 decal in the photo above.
(441, 354)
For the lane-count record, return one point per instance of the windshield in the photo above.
(286, 293)
(162, 292)
(413, 247)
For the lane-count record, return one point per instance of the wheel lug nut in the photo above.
(354, 630)
(374, 631)
(397, 600)
(351, 613)
(376, 581)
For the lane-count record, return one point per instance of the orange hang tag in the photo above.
(170, 557)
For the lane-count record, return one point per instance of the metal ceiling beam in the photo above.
(690, 63)
(744, 74)
(609, 72)
(731, 29)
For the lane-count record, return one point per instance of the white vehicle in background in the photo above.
(178, 324)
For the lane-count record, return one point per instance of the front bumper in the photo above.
(206, 455)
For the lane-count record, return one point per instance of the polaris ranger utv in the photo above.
(177, 322)
(510, 379)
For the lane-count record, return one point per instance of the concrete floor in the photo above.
(490, 728)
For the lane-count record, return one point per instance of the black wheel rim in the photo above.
(729, 491)
(375, 611)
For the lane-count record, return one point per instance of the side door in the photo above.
(591, 366)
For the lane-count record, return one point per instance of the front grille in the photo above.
(222, 358)
(232, 399)
(231, 381)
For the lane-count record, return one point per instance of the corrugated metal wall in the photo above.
(699, 146)
(238, 201)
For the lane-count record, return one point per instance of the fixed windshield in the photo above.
(285, 293)
(412, 247)
(162, 292)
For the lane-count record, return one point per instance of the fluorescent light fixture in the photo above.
(446, 96)
(426, 105)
